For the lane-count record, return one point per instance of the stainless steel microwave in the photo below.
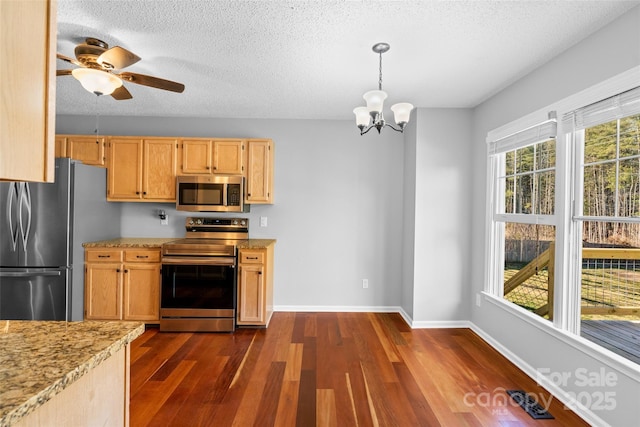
(210, 193)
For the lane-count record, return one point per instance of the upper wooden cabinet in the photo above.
(89, 149)
(205, 156)
(227, 156)
(196, 156)
(61, 146)
(27, 90)
(259, 171)
(142, 169)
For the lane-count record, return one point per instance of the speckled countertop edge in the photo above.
(23, 392)
(157, 242)
(130, 242)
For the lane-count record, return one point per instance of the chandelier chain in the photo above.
(380, 77)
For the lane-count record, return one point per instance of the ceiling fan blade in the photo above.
(117, 58)
(121, 93)
(63, 72)
(156, 82)
(70, 60)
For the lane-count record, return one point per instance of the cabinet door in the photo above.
(159, 169)
(141, 292)
(227, 156)
(88, 149)
(124, 176)
(251, 301)
(259, 172)
(27, 116)
(103, 291)
(61, 146)
(197, 156)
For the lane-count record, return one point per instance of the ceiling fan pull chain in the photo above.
(97, 132)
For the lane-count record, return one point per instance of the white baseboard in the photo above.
(564, 397)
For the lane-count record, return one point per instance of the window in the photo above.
(581, 191)
(524, 168)
(607, 213)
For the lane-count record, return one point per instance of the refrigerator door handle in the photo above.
(11, 196)
(24, 202)
(29, 273)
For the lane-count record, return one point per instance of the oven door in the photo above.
(194, 294)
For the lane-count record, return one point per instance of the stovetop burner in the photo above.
(209, 237)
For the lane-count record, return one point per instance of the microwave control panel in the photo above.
(234, 196)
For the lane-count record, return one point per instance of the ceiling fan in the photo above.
(97, 63)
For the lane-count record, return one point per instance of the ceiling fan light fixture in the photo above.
(96, 81)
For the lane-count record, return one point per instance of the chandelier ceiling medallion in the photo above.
(371, 116)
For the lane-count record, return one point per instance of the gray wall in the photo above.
(437, 217)
(337, 215)
(611, 51)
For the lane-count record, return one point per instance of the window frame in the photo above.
(568, 230)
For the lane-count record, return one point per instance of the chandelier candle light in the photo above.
(375, 100)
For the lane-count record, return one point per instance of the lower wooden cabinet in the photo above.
(122, 284)
(255, 286)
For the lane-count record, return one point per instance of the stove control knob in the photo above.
(199, 221)
(243, 222)
(235, 222)
(191, 222)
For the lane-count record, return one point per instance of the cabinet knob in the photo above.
(117, 270)
(126, 271)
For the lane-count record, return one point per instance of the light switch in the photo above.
(263, 221)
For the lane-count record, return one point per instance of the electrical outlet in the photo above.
(263, 221)
(365, 283)
(478, 300)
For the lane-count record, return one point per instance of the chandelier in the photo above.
(371, 116)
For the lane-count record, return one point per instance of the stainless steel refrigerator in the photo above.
(42, 228)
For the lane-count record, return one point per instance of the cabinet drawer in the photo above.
(103, 255)
(251, 258)
(142, 255)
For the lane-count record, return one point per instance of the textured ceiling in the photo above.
(313, 59)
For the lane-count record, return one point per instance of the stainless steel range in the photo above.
(199, 276)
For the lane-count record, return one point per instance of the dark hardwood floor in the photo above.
(329, 369)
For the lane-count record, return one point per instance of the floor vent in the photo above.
(527, 403)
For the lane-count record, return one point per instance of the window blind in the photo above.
(616, 107)
(538, 133)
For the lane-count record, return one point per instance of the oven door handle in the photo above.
(195, 260)
(174, 285)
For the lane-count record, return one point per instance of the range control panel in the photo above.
(217, 224)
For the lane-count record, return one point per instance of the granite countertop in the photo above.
(255, 243)
(39, 359)
(157, 242)
(130, 242)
